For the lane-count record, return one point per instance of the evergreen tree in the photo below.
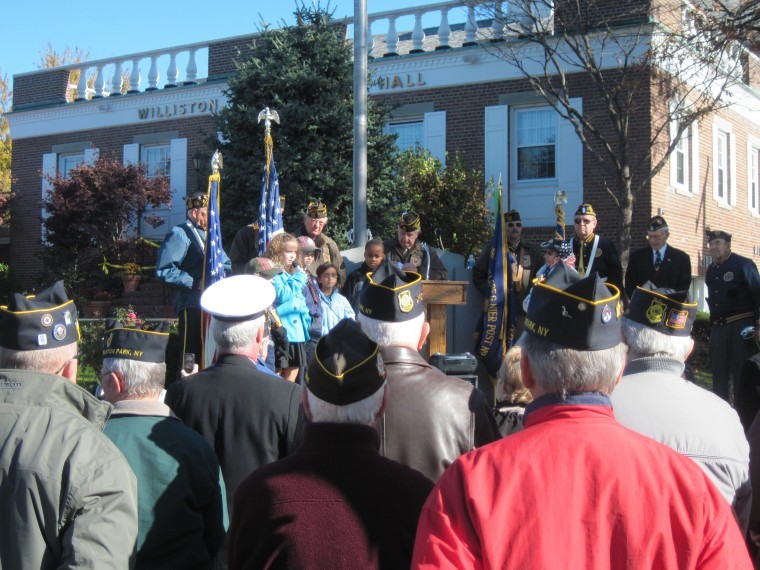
(305, 73)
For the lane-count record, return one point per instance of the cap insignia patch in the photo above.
(405, 301)
(47, 320)
(59, 332)
(606, 314)
(656, 311)
(677, 319)
(581, 306)
(67, 317)
(41, 339)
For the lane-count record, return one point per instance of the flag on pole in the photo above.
(500, 317)
(213, 268)
(270, 215)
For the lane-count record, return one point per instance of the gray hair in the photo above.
(562, 371)
(50, 360)
(141, 378)
(232, 337)
(384, 333)
(362, 412)
(644, 341)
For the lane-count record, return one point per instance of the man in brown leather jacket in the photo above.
(430, 418)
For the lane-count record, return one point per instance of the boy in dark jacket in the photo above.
(374, 254)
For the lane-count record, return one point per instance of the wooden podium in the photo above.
(437, 295)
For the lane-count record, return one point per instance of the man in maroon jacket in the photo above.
(336, 502)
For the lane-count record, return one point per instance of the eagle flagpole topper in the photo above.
(270, 210)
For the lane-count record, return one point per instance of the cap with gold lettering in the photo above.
(135, 344)
(585, 210)
(45, 320)
(197, 200)
(317, 209)
(574, 312)
(391, 294)
(410, 221)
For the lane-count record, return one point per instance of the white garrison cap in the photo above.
(238, 298)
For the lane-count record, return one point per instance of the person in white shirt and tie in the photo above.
(658, 262)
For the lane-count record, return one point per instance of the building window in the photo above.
(536, 141)
(68, 162)
(684, 166)
(753, 178)
(410, 134)
(722, 165)
(157, 159)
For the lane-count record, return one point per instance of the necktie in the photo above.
(657, 260)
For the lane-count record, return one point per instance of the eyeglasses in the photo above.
(514, 224)
(583, 221)
(65, 364)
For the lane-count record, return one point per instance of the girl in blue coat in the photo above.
(290, 303)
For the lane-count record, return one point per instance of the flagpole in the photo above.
(360, 123)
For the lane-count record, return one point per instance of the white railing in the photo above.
(427, 26)
(477, 21)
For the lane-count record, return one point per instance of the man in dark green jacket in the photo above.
(182, 509)
(67, 496)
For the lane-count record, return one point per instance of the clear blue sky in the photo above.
(106, 29)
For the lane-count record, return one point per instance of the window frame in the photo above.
(514, 147)
(146, 148)
(724, 163)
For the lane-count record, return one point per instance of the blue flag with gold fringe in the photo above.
(500, 316)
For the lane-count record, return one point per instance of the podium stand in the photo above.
(437, 295)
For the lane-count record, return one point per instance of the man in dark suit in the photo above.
(250, 418)
(663, 265)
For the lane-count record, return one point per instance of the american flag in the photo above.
(213, 269)
(270, 215)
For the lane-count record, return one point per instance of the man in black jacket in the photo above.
(663, 265)
(430, 419)
(250, 418)
(592, 251)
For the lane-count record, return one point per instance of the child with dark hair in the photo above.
(335, 307)
(374, 254)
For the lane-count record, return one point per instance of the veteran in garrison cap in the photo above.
(51, 428)
(576, 464)
(654, 399)
(182, 511)
(659, 263)
(410, 253)
(527, 261)
(327, 251)
(370, 503)
(733, 296)
(249, 417)
(446, 415)
(179, 265)
(594, 253)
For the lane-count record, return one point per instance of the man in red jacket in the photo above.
(575, 489)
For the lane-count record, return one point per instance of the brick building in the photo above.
(450, 92)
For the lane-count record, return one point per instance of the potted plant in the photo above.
(131, 273)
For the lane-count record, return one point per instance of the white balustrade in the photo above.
(444, 30)
(418, 35)
(475, 21)
(172, 74)
(107, 77)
